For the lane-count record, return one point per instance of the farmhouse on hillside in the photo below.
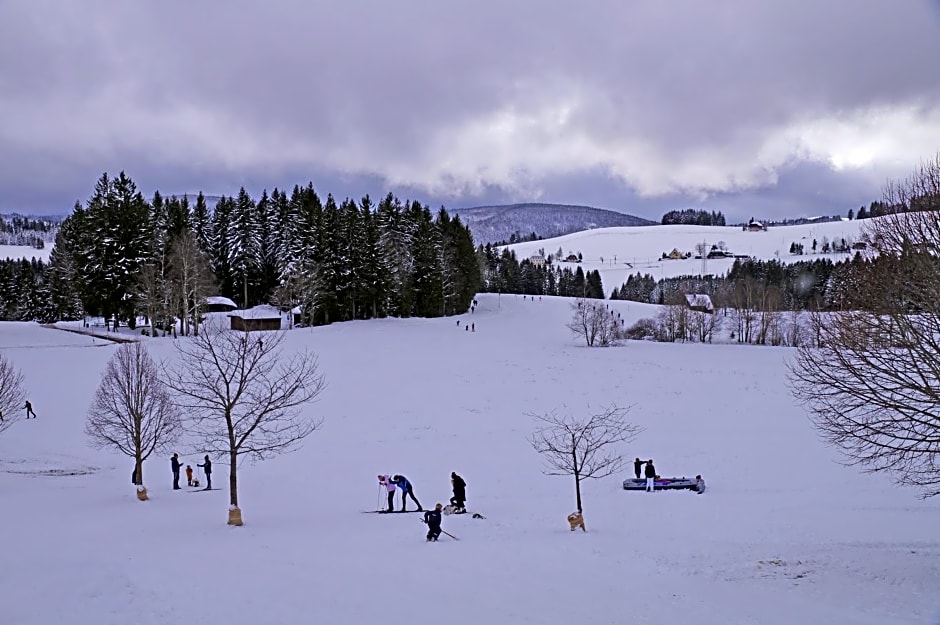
(755, 226)
(537, 260)
(675, 254)
(572, 259)
(258, 318)
(700, 303)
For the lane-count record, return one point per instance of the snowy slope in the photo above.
(628, 250)
(784, 534)
(25, 251)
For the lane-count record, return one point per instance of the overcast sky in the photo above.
(754, 107)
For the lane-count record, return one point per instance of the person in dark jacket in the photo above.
(175, 466)
(650, 476)
(406, 490)
(29, 410)
(638, 467)
(460, 492)
(207, 467)
(433, 519)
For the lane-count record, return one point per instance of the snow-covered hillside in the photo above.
(784, 534)
(620, 252)
(491, 224)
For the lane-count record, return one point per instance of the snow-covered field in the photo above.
(17, 252)
(630, 250)
(784, 534)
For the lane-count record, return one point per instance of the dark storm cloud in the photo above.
(465, 103)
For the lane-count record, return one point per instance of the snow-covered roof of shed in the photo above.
(219, 300)
(258, 312)
(699, 300)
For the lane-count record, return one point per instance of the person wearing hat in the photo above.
(460, 493)
(175, 467)
(638, 467)
(650, 473)
(433, 519)
(389, 485)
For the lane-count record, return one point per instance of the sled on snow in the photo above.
(662, 483)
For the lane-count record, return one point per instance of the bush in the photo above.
(644, 329)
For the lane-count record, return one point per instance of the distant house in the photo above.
(217, 303)
(675, 254)
(700, 302)
(572, 259)
(255, 319)
(859, 245)
(755, 226)
(537, 260)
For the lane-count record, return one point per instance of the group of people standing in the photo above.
(432, 518)
(176, 465)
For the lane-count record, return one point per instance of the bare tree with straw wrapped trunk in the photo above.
(132, 411)
(583, 447)
(12, 393)
(873, 386)
(243, 398)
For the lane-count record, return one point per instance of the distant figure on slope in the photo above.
(433, 519)
(175, 467)
(406, 491)
(473, 327)
(638, 467)
(29, 410)
(389, 485)
(189, 475)
(460, 493)
(650, 476)
(207, 468)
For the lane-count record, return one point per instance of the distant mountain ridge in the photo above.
(491, 224)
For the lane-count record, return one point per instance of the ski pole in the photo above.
(443, 531)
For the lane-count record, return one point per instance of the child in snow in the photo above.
(433, 519)
(189, 475)
(699, 484)
(389, 485)
(406, 490)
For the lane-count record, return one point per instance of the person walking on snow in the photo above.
(406, 490)
(650, 476)
(460, 492)
(207, 468)
(389, 485)
(29, 410)
(175, 467)
(433, 519)
(638, 467)
(189, 475)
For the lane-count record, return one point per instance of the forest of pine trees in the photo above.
(693, 217)
(121, 256)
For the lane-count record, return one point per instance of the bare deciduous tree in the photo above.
(594, 323)
(132, 411)
(12, 393)
(872, 384)
(583, 447)
(242, 397)
(191, 280)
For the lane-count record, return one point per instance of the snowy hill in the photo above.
(491, 224)
(620, 252)
(784, 534)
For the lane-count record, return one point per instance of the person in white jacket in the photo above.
(389, 485)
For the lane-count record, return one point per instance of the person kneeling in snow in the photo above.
(699, 484)
(433, 519)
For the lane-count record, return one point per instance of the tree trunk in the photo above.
(577, 472)
(138, 470)
(233, 478)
